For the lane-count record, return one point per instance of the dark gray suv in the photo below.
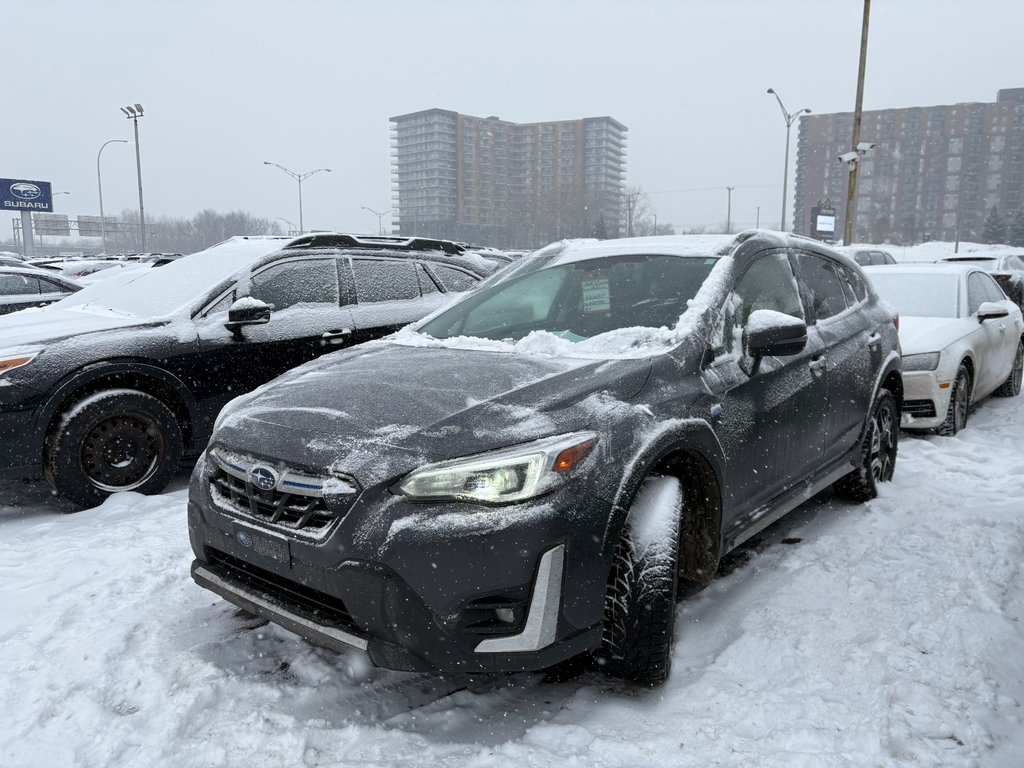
(526, 475)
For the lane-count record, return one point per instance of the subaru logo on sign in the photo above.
(244, 539)
(26, 191)
(263, 478)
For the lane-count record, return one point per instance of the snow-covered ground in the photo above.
(887, 634)
(939, 249)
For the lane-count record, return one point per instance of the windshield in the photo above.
(579, 300)
(919, 294)
(159, 291)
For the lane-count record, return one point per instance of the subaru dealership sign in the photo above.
(25, 195)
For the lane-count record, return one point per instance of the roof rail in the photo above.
(382, 242)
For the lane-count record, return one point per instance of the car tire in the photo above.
(639, 613)
(1011, 387)
(877, 453)
(110, 441)
(959, 404)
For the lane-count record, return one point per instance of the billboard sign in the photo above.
(25, 195)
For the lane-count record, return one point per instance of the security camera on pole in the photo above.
(134, 112)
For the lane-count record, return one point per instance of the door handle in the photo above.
(336, 336)
(874, 340)
(1002, 328)
(818, 365)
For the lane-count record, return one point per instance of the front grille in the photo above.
(317, 606)
(921, 409)
(280, 508)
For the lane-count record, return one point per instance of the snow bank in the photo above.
(885, 634)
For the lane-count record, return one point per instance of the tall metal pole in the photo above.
(99, 184)
(728, 213)
(302, 229)
(133, 113)
(790, 118)
(28, 239)
(851, 186)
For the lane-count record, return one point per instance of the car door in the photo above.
(309, 317)
(852, 349)
(18, 291)
(51, 291)
(771, 422)
(388, 296)
(1008, 328)
(987, 340)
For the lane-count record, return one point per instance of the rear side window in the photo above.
(453, 280)
(379, 280)
(853, 285)
(313, 281)
(49, 286)
(824, 290)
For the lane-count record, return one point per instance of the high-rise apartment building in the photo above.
(512, 185)
(934, 171)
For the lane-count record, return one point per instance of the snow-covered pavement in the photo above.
(887, 634)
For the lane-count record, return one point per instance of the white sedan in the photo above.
(961, 338)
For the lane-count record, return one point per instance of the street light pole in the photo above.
(380, 217)
(99, 184)
(790, 118)
(299, 177)
(133, 112)
(728, 212)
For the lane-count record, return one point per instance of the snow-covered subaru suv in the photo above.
(526, 475)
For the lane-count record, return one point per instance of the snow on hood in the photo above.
(932, 334)
(341, 410)
(49, 324)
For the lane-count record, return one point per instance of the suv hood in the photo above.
(932, 334)
(49, 324)
(382, 409)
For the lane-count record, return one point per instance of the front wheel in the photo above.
(1011, 387)
(878, 452)
(639, 616)
(959, 404)
(110, 441)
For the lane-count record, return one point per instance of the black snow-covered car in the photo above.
(24, 287)
(106, 390)
(522, 476)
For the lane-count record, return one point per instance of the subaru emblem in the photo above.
(26, 191)
(244, 539)
(263, 478)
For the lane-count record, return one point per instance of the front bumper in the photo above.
(926, 397)
(443, 587)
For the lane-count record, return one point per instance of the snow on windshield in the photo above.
(161, 290)
(918, 294)
(622, 306)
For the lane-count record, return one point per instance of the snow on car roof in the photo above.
(673, 245)
(160, 291)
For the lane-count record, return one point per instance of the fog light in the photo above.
(505, 615)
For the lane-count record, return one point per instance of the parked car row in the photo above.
(531, 467)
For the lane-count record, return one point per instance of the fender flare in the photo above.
(691, 435)
(72, 382)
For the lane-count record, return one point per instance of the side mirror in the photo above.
(773, 333)
(246, 311)
(989, 310)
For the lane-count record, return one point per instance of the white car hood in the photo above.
(932, 334)
(48, 324)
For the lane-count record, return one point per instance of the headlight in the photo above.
(17, 357)
(925, 362)
(511, 474)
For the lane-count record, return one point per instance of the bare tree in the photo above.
(636, 204)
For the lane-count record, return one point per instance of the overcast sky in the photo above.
(309, 84)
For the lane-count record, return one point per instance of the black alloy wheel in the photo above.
(1011, 387)
(879, 448)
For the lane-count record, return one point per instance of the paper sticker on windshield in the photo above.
(596, 295)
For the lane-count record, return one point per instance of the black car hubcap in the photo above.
(122, 452)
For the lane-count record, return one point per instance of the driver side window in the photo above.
(768, 283)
